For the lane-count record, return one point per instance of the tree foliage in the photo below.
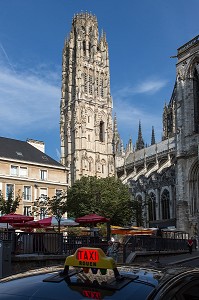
(139, 209)
(137, 212)
(10, 204)
(55, 206)
(108, 197)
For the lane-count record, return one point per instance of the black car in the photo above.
(89, 274)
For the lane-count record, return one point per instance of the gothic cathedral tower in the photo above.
(86, 126)
(187, 139)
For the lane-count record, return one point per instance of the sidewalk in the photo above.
(178, 258)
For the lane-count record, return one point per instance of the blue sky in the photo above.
(142, 35)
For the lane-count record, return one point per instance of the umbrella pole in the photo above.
(108, 231)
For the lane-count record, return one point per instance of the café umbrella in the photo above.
(15, 218)
(47, 222)
(27, 225)
(94, 219)
(53, 222)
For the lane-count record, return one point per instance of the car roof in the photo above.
(136, 283)
(89, 273)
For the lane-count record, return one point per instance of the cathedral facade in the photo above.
(163, 177)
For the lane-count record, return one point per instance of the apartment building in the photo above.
(27, 170)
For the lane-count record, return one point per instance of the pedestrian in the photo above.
(109, 251)
(116, 247)
(113, 249)
(190, 245)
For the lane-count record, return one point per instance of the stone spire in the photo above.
(153, 136)
(116, 137)
(140, 141)
(129, 146)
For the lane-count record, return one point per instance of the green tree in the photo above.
(55, 206)
(10, 204)
(108, 197)
(137, 211)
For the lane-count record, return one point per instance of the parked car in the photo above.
(90, 274)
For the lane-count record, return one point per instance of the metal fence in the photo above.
(52, 243)
(152, 243)
(57, 243)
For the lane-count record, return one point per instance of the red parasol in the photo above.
(53, 222)
(92, 218)
(15, 218)
(29, 224)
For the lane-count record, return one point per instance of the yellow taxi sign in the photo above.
(90, 257)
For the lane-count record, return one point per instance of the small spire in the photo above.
(140, 141)
(116, 137)
(115, 123)
(153, 136)
(122, 146)
(130, 145)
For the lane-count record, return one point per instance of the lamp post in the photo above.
(158, 242)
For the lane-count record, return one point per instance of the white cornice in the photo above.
(33, 180)
(33, 163)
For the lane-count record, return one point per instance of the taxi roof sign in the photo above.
(90, 257)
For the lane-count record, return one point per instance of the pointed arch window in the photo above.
(90, 48)
(196, 100)
(90, 164)
(85, 83)
(97, 84)
(84, 47)
(101, 133)
(101, 87)
(165, 199)
(152, 207)
(138, 211)
(103, 166)
(90, 85)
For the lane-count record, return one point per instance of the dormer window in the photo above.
(19, 153)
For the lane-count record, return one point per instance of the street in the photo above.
(191, 263)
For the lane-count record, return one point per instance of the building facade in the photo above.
(26, 170)
(163, 176)
(86, 103)
(187, 136)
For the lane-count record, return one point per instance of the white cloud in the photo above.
(28, 100)
(150, 86)
(128, 117)
(130, 111)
